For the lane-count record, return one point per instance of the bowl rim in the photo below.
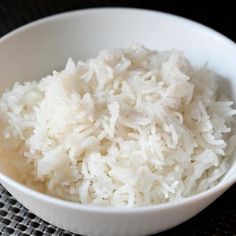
(111, 209)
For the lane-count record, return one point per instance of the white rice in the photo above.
(131, 127)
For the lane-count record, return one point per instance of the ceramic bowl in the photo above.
(34, 50)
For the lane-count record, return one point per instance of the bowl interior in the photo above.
(35, 50)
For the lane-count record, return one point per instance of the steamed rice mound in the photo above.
(131, 127)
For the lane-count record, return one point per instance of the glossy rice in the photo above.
(131, 127)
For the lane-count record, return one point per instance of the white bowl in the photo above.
(36, 49)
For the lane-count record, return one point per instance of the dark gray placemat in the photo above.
(18, 221)
(220, 217)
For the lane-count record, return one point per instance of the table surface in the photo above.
(220, 217)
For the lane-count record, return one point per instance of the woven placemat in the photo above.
(18, 221)
(219, 218)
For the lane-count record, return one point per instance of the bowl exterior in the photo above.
(111, 223)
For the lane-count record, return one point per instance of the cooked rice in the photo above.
(131, 127)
